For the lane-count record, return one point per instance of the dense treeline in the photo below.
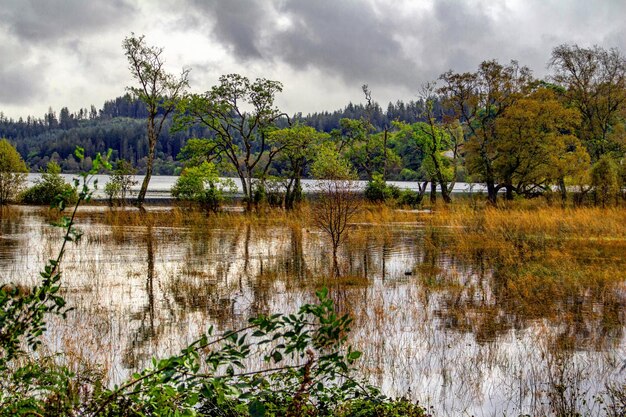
(499, 126)
(120, 125)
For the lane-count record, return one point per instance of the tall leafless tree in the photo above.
(158, 89)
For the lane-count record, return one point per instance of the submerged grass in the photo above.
(564, 265)
(477, 274)
(182, 216)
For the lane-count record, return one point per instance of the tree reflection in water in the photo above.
(465, 331)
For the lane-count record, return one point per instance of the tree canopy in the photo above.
(12, 172)
(240, 114)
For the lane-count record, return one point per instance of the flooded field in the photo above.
(525, 322)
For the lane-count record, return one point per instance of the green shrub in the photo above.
(377, 190)
(270, 191)
(202, 185)
(409, 198)
(51, 188)
(380, 408)
(120, 182)
(605, 178)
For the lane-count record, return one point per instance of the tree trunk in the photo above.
(433, 192)
(289, 195)
(492, 193)
(336, 273)
(509, 192)
(297, 191)
(245, 189)
(445, 193)
(385, 155)
(146, 180)
(563, 191)
(250, 195)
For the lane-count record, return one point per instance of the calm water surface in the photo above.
(161, 185)
(431, 327)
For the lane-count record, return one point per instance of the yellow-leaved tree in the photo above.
(12, 172)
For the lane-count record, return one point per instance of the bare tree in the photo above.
(158, 89)
(337, 198)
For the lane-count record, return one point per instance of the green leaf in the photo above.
(256, 409)
(354, 355)
(322, 294)
(277, 356)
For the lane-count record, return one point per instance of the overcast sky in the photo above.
(68, 52)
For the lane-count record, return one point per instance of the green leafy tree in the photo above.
(434, 141)
(158, 89)
(536, 147)
(240, 114)
(372, 156)
(593, 80)
(12, 172)
(366, 148)
(298, 143)
(478, 100)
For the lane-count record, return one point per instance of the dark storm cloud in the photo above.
(236, 23)
(343, 37)
(34, 21)
(54, 50)
(388, 43)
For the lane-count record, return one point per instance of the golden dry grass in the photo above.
(564, 265)
(182, 216)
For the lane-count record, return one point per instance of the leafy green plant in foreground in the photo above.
(306, 371)
(28, 386)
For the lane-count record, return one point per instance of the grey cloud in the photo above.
(384, 43)
(63, 34)
(20, 82)
(237, 23)
(345, 38)
(36, 21)
(616, 39)
(19, 86)
(381, 43)
(461, 35)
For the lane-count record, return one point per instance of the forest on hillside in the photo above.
(120, 125)
(498, 125)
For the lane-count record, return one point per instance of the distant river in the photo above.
(160, 185)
